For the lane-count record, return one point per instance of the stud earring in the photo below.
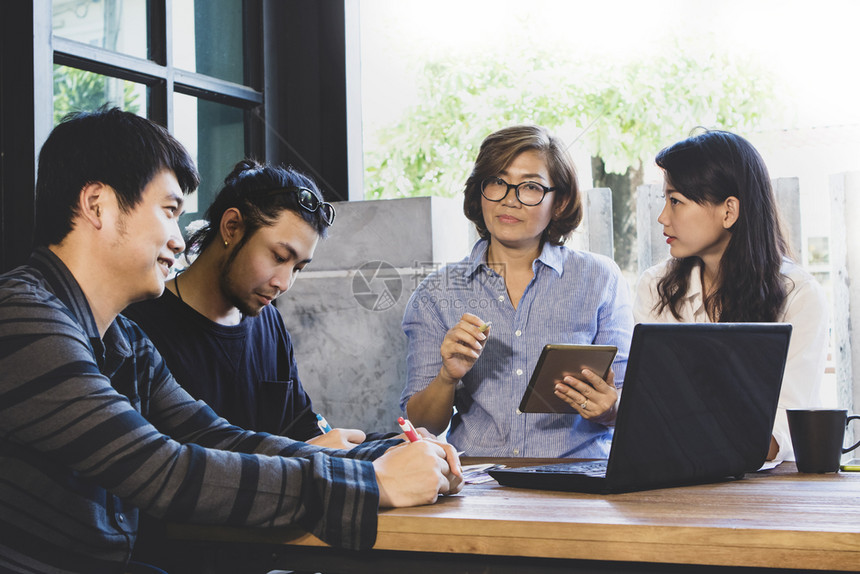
(225, 243)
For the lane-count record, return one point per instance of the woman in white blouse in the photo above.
(730, 262)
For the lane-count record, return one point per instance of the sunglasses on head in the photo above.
(308, 201)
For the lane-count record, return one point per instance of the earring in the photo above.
(225, 243)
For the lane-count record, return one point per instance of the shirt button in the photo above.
(502, 298)
(120, 518)
(518, 333)
(516, 451)
(519, 371)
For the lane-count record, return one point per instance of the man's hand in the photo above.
(416, 473)
(344, 439)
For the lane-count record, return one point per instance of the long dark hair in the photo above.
(247, 188)
(497, 152)
(708, 168)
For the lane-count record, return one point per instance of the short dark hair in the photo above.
(243, 189)
(497, 152)
(116, 148)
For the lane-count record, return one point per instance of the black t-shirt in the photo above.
(247, 373)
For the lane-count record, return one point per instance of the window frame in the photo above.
(288, 44)
(159, 74)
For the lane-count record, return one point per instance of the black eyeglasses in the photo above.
(308, 201)
(529, 193)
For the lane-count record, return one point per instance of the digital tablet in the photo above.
(556, 362)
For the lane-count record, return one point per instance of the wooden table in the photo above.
(773, 519)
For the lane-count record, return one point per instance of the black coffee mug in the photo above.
(817, 436)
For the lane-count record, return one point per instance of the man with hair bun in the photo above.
(215, 324)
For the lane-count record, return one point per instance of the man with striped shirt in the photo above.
(94, 427)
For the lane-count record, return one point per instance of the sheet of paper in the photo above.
(769, 464)
(477, 473)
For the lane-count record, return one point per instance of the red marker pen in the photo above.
(408, 429)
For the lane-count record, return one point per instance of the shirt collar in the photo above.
(695, 295)
(695, 288)
(478, 258)
(65, 287)
(551, 255)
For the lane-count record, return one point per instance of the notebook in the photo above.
(698, 406)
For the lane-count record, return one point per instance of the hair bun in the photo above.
(244, 165)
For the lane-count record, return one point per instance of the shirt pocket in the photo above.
(276, 405)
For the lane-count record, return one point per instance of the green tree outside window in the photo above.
(79, 90)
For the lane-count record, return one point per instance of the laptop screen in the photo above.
(699, 401)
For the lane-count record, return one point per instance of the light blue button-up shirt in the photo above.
(576, 297)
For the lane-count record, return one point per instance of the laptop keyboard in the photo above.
(596, 468)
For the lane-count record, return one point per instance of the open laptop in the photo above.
(698, 405)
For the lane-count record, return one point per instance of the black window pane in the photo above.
(110, 24)
(207, 38)
(214, 134)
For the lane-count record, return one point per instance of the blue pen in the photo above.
(323, 424)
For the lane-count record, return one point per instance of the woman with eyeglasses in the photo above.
(476, 328)
(729, 262)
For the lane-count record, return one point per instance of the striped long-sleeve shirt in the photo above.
(93, 429)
